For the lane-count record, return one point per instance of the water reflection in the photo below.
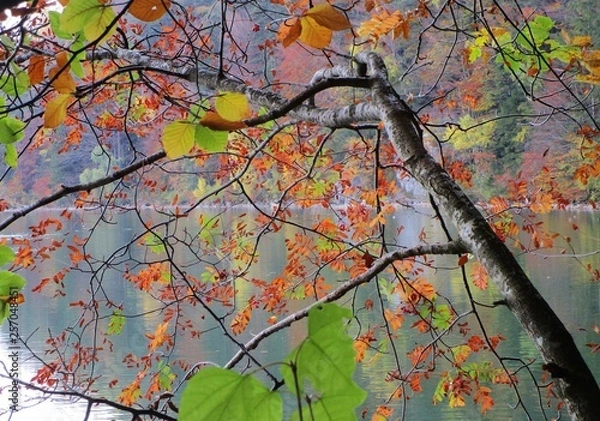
(563, 282)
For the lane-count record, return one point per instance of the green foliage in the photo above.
(116, 323)
(320, 369)
(471, 133)
(10, 284)
(319, 372)
(218, 394)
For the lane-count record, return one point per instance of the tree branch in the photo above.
(379, 265)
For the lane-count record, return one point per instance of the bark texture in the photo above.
(577, 385)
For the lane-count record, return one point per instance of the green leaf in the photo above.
(99, 20)
(321, 367)
(166, 377)
(116, 323)
(442, 317)
(78, 14)
(10, 284)
(11, 130)
(216, 394)
(178, 138)
(7, 255)
(211, 140)
(154, 242)
(76, 66)
(11, 156)
(54, 17)
(16, 83)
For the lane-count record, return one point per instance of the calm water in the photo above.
(562, 281)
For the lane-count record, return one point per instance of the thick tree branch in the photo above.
(578, 388)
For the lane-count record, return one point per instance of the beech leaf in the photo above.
(233, 106)
(64, 82)
(56, 110)
(178, 138)
(214, 121)
(289, 31)
(328, 16)
(76, 14)
(313, 34)
(149, 10)
(211, 140)
(36, 69)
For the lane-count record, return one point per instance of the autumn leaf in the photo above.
(394, 319)
(149, 10)
(233, 106)
(56, 110)
(241, 320)
(178, 138)
(289, 31)
(214, 121)
(64, 82)
(37, 66)
(313, 34)
(329, 17)
(159, 337)
(480, 276)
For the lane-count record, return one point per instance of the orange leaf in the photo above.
(36, 69)
(241, 320)
(62, 58)
(480, 276)
(149, 10)
(313, 34)
(289, 31)
(56, 110)
(328, 16)
(64, 82)
(463, 259)
(214, 121)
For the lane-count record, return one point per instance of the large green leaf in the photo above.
(211, 140)
(11, 130)
(10, 283)
(217, 394)
(11, 155)
(78, 14)
(324, 364)
(7, 255)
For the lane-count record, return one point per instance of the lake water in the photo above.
(563, 281)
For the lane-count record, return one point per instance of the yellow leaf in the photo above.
(149, 10)
(591, 60)
(581, 41)
(64, 82)
(98, 21)
(36, 69)
(56, 110)
(289, 31)
(313, 34)
(178, 138)
(328, 16)
(214, 121)
(233, 106)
